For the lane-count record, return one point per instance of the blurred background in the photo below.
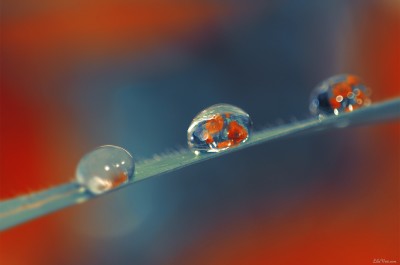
(79, 74)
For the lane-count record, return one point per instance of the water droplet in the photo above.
(105, 168)
(339, 94)
(218, 128)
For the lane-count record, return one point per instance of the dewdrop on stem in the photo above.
(218, 128)
(339, 94)
(105, 168)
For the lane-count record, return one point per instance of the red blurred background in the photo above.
(44, 44)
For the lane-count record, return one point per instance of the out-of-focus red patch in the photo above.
(236, 132)
(224, 144)
(21, 162)
(334, 103)
(341, 89)
(119, 179)
(103, 29)
(215, 125)
(352, 80)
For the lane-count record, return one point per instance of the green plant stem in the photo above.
(27, 207)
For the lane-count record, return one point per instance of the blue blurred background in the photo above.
(79, 74)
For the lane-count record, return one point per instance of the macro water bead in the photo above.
(338, 94)
(218, 128)
(105, 168)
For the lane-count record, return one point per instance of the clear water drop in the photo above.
(339, 94)
(105, 168)
(218, 128)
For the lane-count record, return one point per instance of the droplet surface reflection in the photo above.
(218, 128)
(339, 94)
(105, 168)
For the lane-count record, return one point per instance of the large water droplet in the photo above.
(105, 168)
(339, 94)
(218, 128)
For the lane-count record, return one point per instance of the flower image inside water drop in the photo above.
(339, 94)
(218, 128)
(105, 168)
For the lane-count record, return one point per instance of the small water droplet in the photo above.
(339, 94)
(218, 128)
(105, 168)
